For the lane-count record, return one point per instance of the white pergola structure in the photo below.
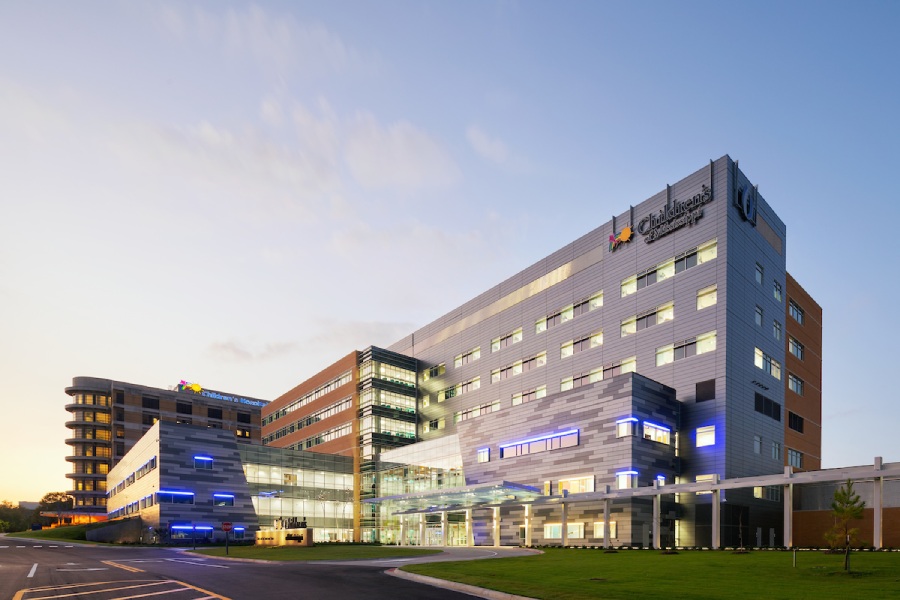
(495, 496)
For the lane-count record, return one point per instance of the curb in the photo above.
(457, 587)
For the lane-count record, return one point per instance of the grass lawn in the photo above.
(63, 534)
(573, 574)
(322, 552)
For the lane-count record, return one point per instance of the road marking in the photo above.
(120, 566)
(86, 569)
(4, 546)
(208, 593)
(20, 546)
(68, 546)
(100, 590)
(33, 569)
(54, 546)
(199, 564)
(37, 546)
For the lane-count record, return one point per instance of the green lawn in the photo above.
(64, 534)
(322, 552)
(574, 574)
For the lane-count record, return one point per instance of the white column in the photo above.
(421, 529)
(656, 514)
(495, 526)
(877, 506)
(528, 524)
(402, 530)
(788, 510)
(565, 524)
(716, 521)
(470, 529)
(443, 528)
(606, 521)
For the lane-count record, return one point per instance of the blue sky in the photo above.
(238, 194)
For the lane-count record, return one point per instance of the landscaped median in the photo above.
(318, 552)
(576, 574)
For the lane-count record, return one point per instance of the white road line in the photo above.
(54, 546)
(87, 569)
(68, 546)
(4, 546)
(20, 546)
(199, 564)
(33, 569)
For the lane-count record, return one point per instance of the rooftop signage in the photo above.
(674, 215)
(196, 388)
(620, 238)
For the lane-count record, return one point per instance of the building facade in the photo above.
(108, 417)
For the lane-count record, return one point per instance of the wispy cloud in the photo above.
(487, 147)
(243, 351)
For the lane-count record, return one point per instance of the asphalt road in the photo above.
(32, 569)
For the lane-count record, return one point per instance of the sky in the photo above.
(238, 194)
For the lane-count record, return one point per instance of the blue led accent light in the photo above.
(204, 528)
(202, 457)
(661, 478)
(626, 420)
(176, 493)
(538, 439)
(223, 495)
(626, 473)
(239, 529)
(663, 427)
(181, 527)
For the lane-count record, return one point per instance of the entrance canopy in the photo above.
(461, 498)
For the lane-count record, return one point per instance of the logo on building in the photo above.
(620, 238)
(674, 215)
(745, 200)
(186, 386)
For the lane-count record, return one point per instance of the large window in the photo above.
(656, 433)
(553, 531)
(767, 363)
(626, 427)
(519, 367)
(569, 383)
(585, 343)
(795, 458)
(767, 407)
(796, 348)
(796, 312)
(476, 411)
(204, 463)
(690, 347)
(167, 497)
(626, 480)
(599, 529)
(795, 422)
(706, 436)
(795, 384)
(706, 297)
(459, 389)
(657, 316)
(535, 394)
(577, 485)
(513, 337)
(545, 443)
(467, 357)
(666, 269)
(483, 455)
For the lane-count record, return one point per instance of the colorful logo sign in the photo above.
(745, 200)
(186, 386)
(620, 238)
(674, 215)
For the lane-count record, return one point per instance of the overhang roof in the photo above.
(462, 498)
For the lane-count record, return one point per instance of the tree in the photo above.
(13, 518)
(845, 507)
(53, 502)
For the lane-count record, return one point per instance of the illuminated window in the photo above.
(569, 383)
(535, 394)
(483, 455)
(706, 297)
(519, 367)
(577, 485)
(467, 357)
(599, 527)
(585, 343)
(626, 480)
(704, 479)
(553, 531)
(656, 433)
(504, 341)
(699, 345)
(552, 320)
(203, 462)
(706, 436)
(435, 371)
(626, 427)
(223, 499)
(657, 316)
(767, 363)
(167, 497)
(555, 441)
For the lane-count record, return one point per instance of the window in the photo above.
(509, 339)
(776, 291)
(668, 268)
(476, 411)
(759, 316)
(795, 458)
(656, 316)
(767, 407)
(214, 413)
(435, 371)
(757, 444)
(626, 427)
(706, 297)
(626, 480)
(795, 384)
(167, 497)
(184, 408)
(577, 485)
(204, 463)
(467, 357)
(706, 436)
(706, 390)
(776, 450)
(656, 433)
(796, 348)
(776, 330)
(243, 417)
(223, 499)
(795, 422)
(767, 363)
(148, 419)
(545, 443)
(569, 383)
(796, 312)
(768, 492)
(149, 402)
(552, 320)
(535, 394)
(553, 531)
(433, 425)
(459, 389)
(483, 455)
(699, 345)
(599, 527)
(760, 272)
(519, 367)
(585, 343)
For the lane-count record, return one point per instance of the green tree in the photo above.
(13, 517)
(52, 502)
(845, 507)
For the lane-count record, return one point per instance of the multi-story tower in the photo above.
(108, 417)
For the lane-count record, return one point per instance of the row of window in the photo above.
(758, 446)
(467, 357)
(701, 344)
(566, 439)
(518, 367)
(476, 411)
(567, 313)
(655, 316)
(130, 479)
(767, 363)
(575, 531)
(535, 394)
(629, 427)
(585, 343)
(669, 268)
(767, 406)
(459, 389)
(629, 365)
(328, 411)
(311, 396)
(326, 436)
(776, 286)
